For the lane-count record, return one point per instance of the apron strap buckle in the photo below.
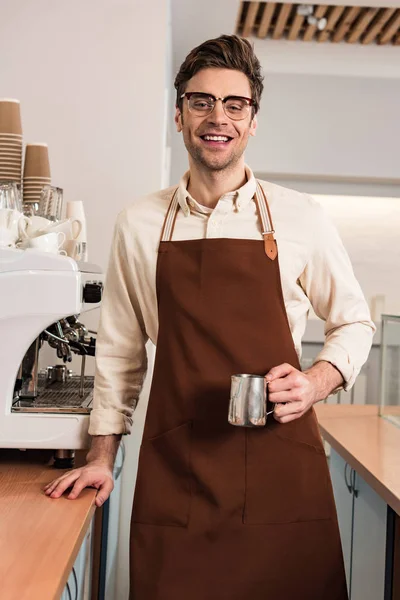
(270, 246)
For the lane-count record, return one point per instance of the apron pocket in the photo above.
(287, 480)
(162, 492)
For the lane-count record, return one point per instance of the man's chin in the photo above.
(217, 163)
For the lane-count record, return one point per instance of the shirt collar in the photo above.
(240, 197)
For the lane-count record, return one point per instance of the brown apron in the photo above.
(223, 512)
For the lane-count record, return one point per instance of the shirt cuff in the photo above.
(106, 421)
(340, 360)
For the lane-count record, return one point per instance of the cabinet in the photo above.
(362, 516)
(369, 542)
(344, 505)
(78, 584)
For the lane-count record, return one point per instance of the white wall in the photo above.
(328, 125)
(369, 228)
(91, 77)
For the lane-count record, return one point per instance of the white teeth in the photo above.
(216, 138)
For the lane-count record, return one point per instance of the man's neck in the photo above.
(207, 186)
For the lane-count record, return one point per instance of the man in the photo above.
(223, 512)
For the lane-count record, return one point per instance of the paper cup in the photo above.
(11, 136)
(11, 143)
(10, 116)
(36, 161)
(12, 162)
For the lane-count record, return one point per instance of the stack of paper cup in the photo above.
(10, 140)
(36, 172)
(75, 210)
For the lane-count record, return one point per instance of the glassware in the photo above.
(51, 203)
(389, 406)
(10, 195)
(30, 209)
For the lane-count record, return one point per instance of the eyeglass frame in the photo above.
(250, 102)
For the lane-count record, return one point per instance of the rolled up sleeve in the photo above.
(121, 359)
(336, 297)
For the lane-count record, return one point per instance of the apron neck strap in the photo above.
(270, 246)
(170, 218)
(263, 212)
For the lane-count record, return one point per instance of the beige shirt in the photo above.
(315, 271)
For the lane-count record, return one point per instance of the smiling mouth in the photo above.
(216, 139)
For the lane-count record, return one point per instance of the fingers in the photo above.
(288, 418)
(80, 484)
(104, 492)
(57, 487)
(279, 371)
(281, 397)
(285, 410)
(291, 381)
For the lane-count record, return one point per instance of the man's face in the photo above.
(216, 155)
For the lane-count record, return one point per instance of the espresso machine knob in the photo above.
(92, 292)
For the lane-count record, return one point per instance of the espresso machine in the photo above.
(42, 296)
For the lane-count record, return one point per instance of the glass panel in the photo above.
(390, 369)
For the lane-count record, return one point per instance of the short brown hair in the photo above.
(224, 52)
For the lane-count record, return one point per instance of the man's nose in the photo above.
(218, 116)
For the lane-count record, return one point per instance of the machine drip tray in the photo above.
(58, 397)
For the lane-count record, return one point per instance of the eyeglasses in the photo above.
(235, 107)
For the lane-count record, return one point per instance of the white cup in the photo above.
(71, 227)
(36, 226)
(49, 242)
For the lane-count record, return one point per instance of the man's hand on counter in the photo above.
(97, 473)
(294, 392)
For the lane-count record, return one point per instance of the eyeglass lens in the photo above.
(235, 107)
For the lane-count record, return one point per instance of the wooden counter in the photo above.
(39, 537)
(369, 443)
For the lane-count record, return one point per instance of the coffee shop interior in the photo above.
(87, 126)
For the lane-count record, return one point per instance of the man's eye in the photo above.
(201, 104)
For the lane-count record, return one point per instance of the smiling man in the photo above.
(223, 512)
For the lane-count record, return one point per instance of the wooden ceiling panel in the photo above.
(295, 27)
(391, 29)
(361, 24)
(376, 28)
(346, 24)
(284, 13)
(250, 19)
(268, 13)
(333, 18)
(311, 29)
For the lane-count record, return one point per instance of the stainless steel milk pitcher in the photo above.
(248, 401)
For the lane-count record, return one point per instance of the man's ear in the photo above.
(253, 126)
(178, 120)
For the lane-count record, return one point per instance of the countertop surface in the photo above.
(40, 537)
(368, 442)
